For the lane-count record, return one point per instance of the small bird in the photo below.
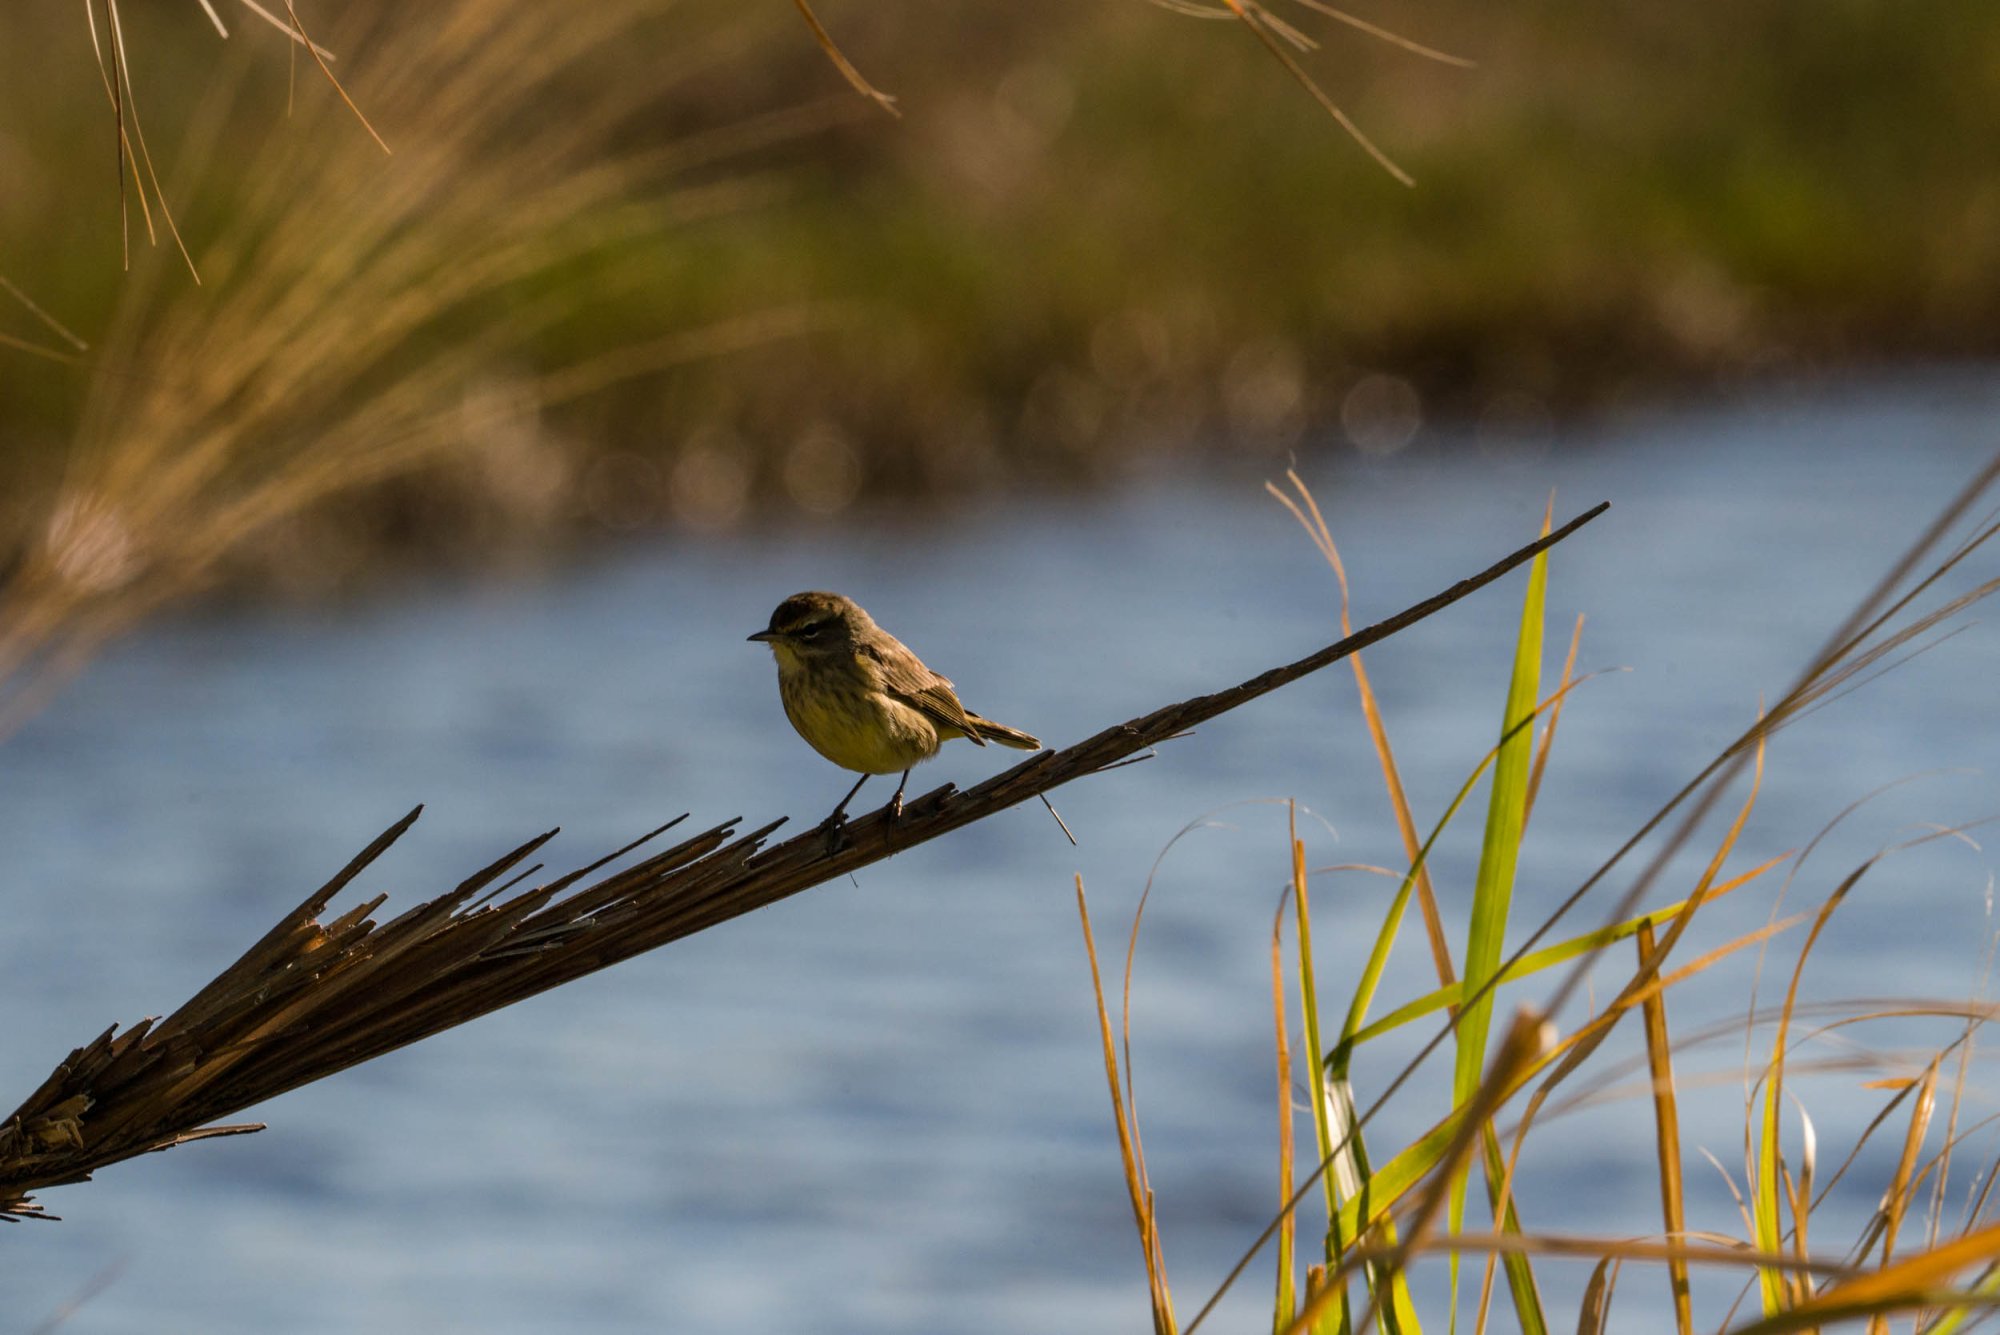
(861, 699)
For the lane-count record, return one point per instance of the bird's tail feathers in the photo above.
(990, 731)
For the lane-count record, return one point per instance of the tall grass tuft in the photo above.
(362, 315)
(1384, 1213)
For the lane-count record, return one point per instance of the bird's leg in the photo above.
(896, 802)
(833, 821)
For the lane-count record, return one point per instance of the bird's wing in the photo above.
(923, 690)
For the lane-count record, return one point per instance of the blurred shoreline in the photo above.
(1098, 235)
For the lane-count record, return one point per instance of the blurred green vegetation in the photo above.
(1099, 233)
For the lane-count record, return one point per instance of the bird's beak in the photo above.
(766, 635)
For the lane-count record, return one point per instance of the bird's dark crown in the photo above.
(807, 615)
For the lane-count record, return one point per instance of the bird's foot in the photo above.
(834, 828)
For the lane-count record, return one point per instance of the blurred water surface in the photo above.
(879, 1106)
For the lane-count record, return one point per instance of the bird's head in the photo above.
(809, 625)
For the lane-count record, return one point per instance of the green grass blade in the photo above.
(1764, 1195)
(1396, 1178)
(1336, 1320)
(1385, 940)
(1395, 1312)
(1493, 887)
(1520, 1274)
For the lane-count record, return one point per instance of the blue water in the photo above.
(879, 1107)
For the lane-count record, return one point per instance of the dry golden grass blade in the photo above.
(214, 19)
(1586, 1039)
(1635, 988)
(319, 52)
(129, 108)
(118, 82)
(1129, 1150)
(1866, 666)
(1762, 1140)
(1196, 9)
(1762, 1145)
(1920, 1280)
(1849, 659)
(1878, 607)
(1742, 1213)
(1150, 1237)
(299, 28)
(1902, 1185)
(840, 61)
(1221, 9)
(1709, 958)
(1960, 1085)
(114, 88)
(1385, 35)
(1590, 1031)
(47, 320)
(1228, 13)
(92, 1287)
(1798, 1188)
(1976, 1208)
(40, 350)
(133, 152)
(1903, 1088)
(1562, 1054)
(1805, 855)
(1595, 1317)
(721, 339)
(1266, 27)
(1667, 1139)
(1554, 717)
(1723, 1253)
(1392, 779)
(1285, 1304)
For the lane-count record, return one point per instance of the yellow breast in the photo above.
(861, 730)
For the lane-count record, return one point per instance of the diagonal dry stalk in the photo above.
(313, 998)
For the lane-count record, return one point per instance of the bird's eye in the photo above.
(813, 631)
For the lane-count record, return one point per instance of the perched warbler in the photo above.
(863, 700)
